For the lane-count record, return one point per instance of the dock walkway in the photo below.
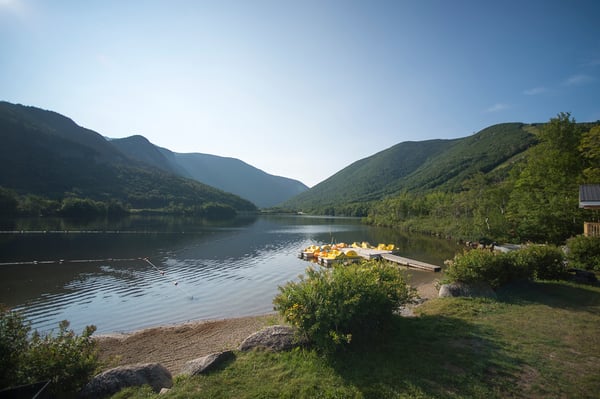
(373, 253)
(411, 262)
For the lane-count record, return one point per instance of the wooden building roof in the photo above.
(589, 196)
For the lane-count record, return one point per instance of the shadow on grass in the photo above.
(428, 356)
(568, 296)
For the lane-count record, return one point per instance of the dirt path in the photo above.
(172, 346)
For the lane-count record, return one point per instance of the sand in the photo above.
(174, 345)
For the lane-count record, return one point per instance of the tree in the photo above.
(544, 204)
(8, 202)
(590, 151)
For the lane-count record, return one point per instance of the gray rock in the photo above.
(207, 363)
(112, 381)
(274, 338)
(460, 289)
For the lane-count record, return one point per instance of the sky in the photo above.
(300, 88)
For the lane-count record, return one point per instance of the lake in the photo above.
(95, 272)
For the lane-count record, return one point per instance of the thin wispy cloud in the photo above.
(105, 61)
(578, 80)
(497, 107)
(14, 7)
(536, 91)
(592, 63)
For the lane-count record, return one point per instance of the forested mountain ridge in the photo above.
(48, 155)
(139, 148)
(227, 174)
(530, 197)
(236, 176)
(415, 167)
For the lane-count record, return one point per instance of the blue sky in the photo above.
(300, 88)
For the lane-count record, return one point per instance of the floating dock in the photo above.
(369, 254)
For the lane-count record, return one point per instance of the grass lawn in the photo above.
(538, 340)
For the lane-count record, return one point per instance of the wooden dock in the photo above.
(369, 254)
(410, 262)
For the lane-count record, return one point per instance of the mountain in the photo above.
(47, 154)
(141, 149)
(235, 176)
(227, 174)
(418, 167)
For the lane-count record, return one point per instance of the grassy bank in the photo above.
(538, 340)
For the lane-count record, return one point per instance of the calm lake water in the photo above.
(95, 272)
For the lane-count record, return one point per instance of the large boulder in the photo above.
(112, 381)
(275, 338)
(207, 363)
(460, 289)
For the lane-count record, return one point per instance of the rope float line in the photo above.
(88, 232)
(163, 273)
(62, 261)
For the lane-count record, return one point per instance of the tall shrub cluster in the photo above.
(584, 252)
(545, 262)
(335, 306)
(66, 359)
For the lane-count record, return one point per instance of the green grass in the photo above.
(538, 340)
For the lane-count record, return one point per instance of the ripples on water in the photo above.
(208, 272)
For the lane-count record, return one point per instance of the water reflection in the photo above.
(221, 269)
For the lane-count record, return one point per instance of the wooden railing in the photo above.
(591, 229)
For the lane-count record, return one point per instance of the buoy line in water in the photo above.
(164, 274)
(88, 232)
(63, 261)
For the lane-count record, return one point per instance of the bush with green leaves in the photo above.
(334, 306)
(66, 359)
(13, 346)
(544, 262)
(584, 252)
(480, 265)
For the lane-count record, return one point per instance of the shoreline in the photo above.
(175, 344)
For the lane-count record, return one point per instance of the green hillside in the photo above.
(416, 167)
(482, 152)
(48, 155)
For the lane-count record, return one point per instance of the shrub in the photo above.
(13, 345)
(545, 262)
(334, 306)
(81, 207)
(66, 359)
(584, 252)
(479, 265)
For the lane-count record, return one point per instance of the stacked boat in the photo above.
(341, 252)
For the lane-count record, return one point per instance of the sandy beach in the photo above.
(174, 345)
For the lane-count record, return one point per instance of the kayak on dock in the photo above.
(327, 255)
